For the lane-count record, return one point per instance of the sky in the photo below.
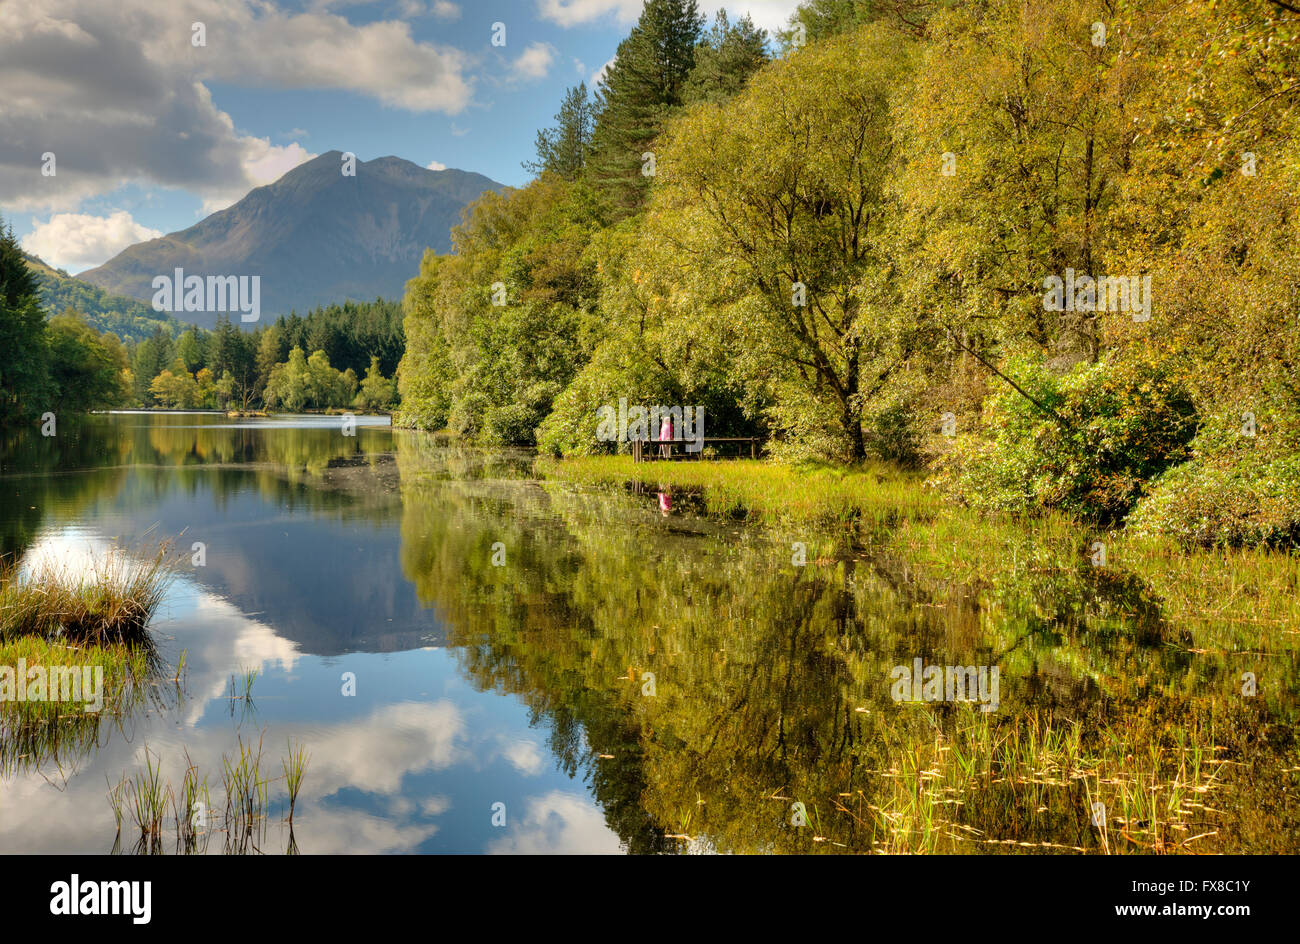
(152, 129)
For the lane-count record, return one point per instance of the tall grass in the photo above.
(769, 491)
(110, 603)
(295, 768)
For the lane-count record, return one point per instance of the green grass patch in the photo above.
(767, 491)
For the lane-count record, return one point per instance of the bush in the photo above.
(1237, 490)
(1116, 425)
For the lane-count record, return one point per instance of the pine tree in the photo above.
(24, 349)
(563, 148)
(641, 88)
(729, 55)
(16, 280)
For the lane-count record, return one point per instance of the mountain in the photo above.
(314, 236)
(128, 318)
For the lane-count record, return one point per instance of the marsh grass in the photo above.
(295, 768)
(983, 785)
(143, 797)
(776, 493)
(146, 797)
(111, 603)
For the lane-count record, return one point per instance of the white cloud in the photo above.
(118, 92)
(435, 165)
(534, 62)
(559, 824)
(768, 14)
(262, 163)
(78, 241)
(580, 12)
(524, 755)
(442, 9)
(599, 75)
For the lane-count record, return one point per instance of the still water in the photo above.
(477, 660)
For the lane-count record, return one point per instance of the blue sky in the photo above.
(150, 131)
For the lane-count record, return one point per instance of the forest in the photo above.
(856, 238)
(338, 356)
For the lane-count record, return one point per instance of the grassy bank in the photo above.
(1253, 592)
(767, 491)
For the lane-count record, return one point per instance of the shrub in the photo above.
(1103, 431)
(1237, 490)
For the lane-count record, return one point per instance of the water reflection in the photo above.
(629, 677)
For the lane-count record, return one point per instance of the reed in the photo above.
(109, 603)
(295, 768)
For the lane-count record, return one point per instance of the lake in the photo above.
(479, 660)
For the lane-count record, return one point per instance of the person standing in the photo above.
(666, 436)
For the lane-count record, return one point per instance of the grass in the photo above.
(295, 768)
(144, 797)
(767, 491)
(896, 515)
(973, 784)
(111, 603)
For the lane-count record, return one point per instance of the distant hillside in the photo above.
(128, 318)
(314, 236)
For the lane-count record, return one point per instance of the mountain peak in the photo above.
(314, 236)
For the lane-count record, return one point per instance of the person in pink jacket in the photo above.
(666, 436)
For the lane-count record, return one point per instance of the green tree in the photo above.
(151, 357)
(775, 206)
(644, 84)
(724, 62)
(269, 353)
(86, 369)
(175, 389)
(495, 330)
(24, 371)
(377, 391)
(563, 148)
(189, 346)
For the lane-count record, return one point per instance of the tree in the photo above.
(86, 370)
(377, 391)
(270, 352)
(638, 92)
(289, 385)
(190, 348)
(725, 60)
(231, 351)
(176, 390)
(775, 204)
(563, 149)
(305, 382)
(820, 19)
(24, 373)
(152, 356)
(490, 361)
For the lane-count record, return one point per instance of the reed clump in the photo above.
(107, 603)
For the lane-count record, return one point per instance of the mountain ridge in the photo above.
(314, 236)
(129, 318)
